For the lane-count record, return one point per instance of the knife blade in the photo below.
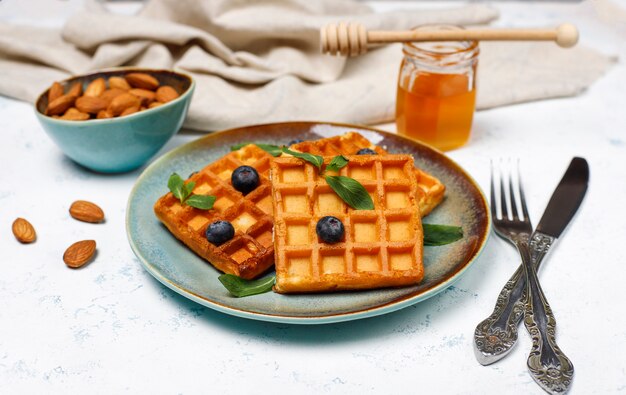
(566, 199)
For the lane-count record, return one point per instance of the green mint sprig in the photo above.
(273, 150)
(183, 192)
(315, 160)
(239, 287)
(438, 235)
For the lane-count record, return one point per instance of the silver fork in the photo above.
(547, 364)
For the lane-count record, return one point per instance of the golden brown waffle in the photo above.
(381, 247)
(251, 251)
(431, 190)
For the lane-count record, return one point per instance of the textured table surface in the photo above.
(111, 328)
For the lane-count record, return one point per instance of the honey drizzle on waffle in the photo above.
(431, 190)
(251, 251)
(382, 247)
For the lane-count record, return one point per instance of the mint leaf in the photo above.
(273, 150)
(176, 186)
(316, 160)
(351, 191)
(203, 202)
(188, 188)
(337, 163)
(239, 287)
(438, 235)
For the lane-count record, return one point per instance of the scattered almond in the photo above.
(122, 102)
(104, 114)
(145, 95)
(76, 89)
(166, 94)
(74, 114)
(95, 88)
(79, 253)
(55, 91)
(142, 80)
(23, 231)
(60, 104)
(85, 211)
(118, 83)
(130, 110)
(91, 104)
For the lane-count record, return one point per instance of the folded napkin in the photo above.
(259, 61)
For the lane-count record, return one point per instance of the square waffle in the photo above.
(381, 247)
(430, 189)
(251, 251)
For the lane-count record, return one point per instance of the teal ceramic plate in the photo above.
(173, 264)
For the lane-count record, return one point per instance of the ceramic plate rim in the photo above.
(318, 319)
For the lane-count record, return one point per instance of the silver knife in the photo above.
(495, 336)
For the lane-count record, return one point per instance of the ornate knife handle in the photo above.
(496, 335)
(548, 365)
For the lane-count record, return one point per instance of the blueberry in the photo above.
(219, 232)
(366, 151)
(245, 179)
(295, 141)
(329, 229)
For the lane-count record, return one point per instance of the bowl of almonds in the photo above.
(115, 120)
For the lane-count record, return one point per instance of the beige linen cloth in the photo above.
(259, 61)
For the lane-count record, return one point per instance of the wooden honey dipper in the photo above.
(352, 38)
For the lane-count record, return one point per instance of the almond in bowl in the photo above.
(115, 120)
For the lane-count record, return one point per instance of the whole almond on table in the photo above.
(91, 104)
(55, 91)
(85, 211)
(166, 94)
(76, 89)
(79, 253)
(23, 231)
(95, 87)
(111, 94)
(145, 95)
(61, 104)
(74, 114)
(122, 102)
(118, 83)
(142, 80)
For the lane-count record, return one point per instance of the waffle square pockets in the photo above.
(381, 247)
(251, 251)
(430, 189)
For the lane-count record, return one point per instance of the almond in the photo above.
(55, 91)
(79, 253)
(166, 93)
(85, 211)
(76, 89)
(104, 114)
(60, 104)
(74, 114)
(145, 95)
(118, 83)
(142, 80)
(111, 94)
(155, 104)
(91, 104)
(130, 110)
(95, 87)
(122, 102)
(24, 231)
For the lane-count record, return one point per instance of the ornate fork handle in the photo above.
(496, 335)
(548, 365)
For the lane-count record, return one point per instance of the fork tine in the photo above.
(521, 193)
(503, 208)
(494, 209)
(512, 194)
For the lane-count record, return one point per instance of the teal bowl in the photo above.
(121, 144)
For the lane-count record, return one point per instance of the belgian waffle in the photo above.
(430, 189)
(381, 247)
(251, 251)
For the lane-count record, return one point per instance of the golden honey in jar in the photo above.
(437, 91)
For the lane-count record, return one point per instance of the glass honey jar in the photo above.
(437, 91)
